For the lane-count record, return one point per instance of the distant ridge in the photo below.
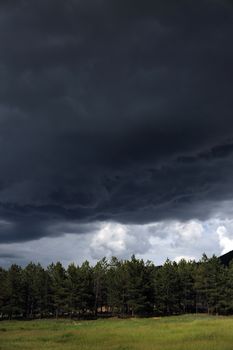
(226, 258)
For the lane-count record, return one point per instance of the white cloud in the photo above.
(189, 231)
(112, 238)
(184, 257)
(115, 239)
(72, 242)
(225, 242)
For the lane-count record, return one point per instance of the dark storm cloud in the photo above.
(113, 110)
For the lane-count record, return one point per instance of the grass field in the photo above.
(169, 333)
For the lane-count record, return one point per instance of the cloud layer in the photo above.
(156, 242)
(114, 112)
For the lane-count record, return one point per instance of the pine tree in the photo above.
(34, 290)
(209, 281)
(14, 302)
(85, 296)
(140, 293)
(227, 291)
(73, 287)
(117, 286)
(100, 287)
(187, 292)
(167, 289)
(3, 291)
(59, 288)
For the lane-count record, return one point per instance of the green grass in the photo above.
(168, 333)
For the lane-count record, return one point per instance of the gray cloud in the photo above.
(113, 111)
(158, 241)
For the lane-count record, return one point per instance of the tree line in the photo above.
(116, 287)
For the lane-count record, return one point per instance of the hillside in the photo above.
(226, 258)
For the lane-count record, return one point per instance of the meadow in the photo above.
(168, 333)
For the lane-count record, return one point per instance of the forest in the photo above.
(114, 287)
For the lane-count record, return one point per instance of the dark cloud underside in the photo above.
(113, 110)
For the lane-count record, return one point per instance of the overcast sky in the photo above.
(116, 129)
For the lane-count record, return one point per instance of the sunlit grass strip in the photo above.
(170, 333)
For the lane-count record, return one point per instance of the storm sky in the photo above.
(116, 129)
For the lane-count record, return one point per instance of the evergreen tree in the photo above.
(100, 285)
(3, 291)
(34, 290)
(226, 306)
(117, 286)
(85, 295)
(140, 291)
(14, 302)
(168, 289)
(209, 281)
(187, 291)
(59, 287)
(73, 287)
